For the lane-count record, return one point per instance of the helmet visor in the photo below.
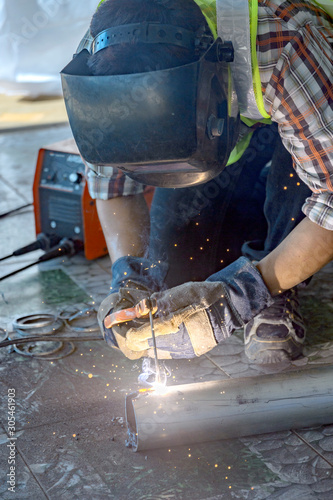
(154, 125)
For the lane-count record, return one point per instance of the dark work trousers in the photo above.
(247, 210)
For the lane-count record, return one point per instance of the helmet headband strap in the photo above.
(144, 33)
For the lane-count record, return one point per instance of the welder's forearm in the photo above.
(305, 250)
(125, 224)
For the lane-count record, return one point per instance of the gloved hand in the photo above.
(133, 279)
(194, 317)
(145, 273)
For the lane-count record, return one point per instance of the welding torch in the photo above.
(143, 309)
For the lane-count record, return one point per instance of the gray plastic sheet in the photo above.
(37, 39)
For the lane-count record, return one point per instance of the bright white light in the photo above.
(33, 78)
(159, 388)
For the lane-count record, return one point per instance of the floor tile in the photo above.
(25, 485)
(71, 465)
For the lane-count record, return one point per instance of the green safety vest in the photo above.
(326, 5)
(210, 9)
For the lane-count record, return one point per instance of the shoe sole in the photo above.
(264, 352)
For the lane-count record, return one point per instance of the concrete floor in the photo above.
(69, 412)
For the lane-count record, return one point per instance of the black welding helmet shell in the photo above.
(174, 127)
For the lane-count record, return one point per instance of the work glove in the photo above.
(145, 273)
(193, 318)
(133, 279)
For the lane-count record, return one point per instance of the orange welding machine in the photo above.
(62, 204)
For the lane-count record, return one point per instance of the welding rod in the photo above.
(158, 375)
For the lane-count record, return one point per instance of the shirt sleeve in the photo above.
(299, 97)
(105, 183)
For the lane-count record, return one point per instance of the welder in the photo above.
(188, 95)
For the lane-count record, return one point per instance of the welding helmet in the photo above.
(173, 127)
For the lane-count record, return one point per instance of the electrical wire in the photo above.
(65, 247)
(43, 242)
(9, 341)
(15, 210)
(44, 326)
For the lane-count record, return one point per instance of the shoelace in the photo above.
(285, 304)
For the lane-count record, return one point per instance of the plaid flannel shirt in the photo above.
(295, 57)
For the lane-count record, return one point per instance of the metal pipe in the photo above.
(224, 409)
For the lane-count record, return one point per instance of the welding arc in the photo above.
(66, 247)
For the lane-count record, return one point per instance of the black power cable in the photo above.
(65, 247)
(27, 340)
(43, 242)
(15, 210)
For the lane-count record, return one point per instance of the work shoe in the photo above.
(276, 334)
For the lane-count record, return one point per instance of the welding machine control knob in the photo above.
(75, 177)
